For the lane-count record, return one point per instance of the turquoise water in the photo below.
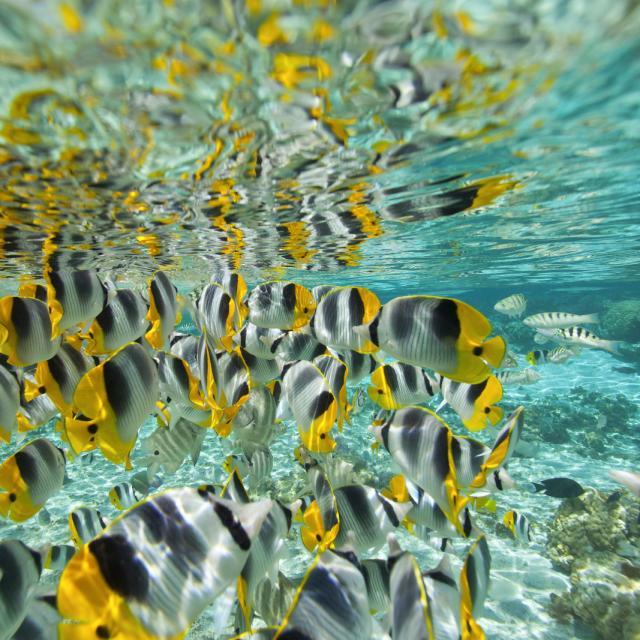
(469, 150)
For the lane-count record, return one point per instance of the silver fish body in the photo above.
(192, 543)
(366, 517)
(20, 570)
(331, 602)
(167, 448)
(559, 320)
(581, 337)
(512, 306)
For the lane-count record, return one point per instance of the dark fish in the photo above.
(614, 497)
(559, 488)
(628, 370)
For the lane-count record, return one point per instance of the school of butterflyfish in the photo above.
(89, 363)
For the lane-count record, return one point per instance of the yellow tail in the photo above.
(5, 505)
(494, 350)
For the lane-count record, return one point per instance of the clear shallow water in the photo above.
(142, 135)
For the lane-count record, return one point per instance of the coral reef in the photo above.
(595, 539)
(589, 419)
(621, 320)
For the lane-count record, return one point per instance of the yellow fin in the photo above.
(77, 434)
(312, 531)
(494, 350)
(473, 325)
(227, 341)
(371, 304)
(23, 424)
(55, 312)
(5, 505)
(495, 415)
(317, 442)
(243, 601)
(510, 522)
(397, 489)
(31, 389)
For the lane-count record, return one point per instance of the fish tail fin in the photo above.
(488, 189)
(484, 409)
(397, 489)
(531, 357)
(23, 423)
(227, 343)
(78, 435)
(613, 346)
(31, 389)
(312, 531)
(495, 415)
(593, 318)
(5, 505)
(537, 487)
(154, 336)
(494, 350)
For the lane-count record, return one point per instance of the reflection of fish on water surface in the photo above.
(222, 236)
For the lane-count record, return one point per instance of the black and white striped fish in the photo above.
(339, 311)
(398, 385)
(111, 402)
(421, 444)
(161, 564)
(366, 517)
(559, 320)
(26, 331)
(167, 447)
(255, 420)
(331, 601)
(359, 365)
(442, 334)
(123, 496)
(582, 338)
(59, 376)
(122, 320)
(314, 407)
(74, 297)
(258, 341)
(164, 311)
(216, 316)
(85, 523)
(297, 345)
(280, 305)
(474, 403)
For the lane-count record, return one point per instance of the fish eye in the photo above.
(487, 409)
(12, 497)
(380, 390)
(102, 632)
(156, 453)
(305, 310)
(323, 436)
(92, 428)
(318, 537)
